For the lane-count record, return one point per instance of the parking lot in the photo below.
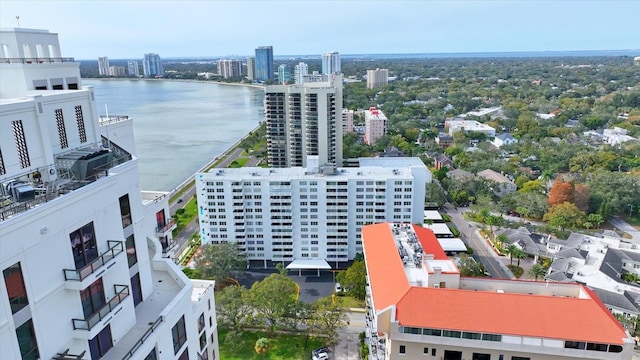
(311, 286)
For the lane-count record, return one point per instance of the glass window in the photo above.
(184, 355)
(574, 345)
(100, 344)
(14, 282)
(403, 349)
(136, 289)
(131, 250)
(83, 245)
(433, 352)
(201, 323)
(125, 211)
(153, 355)
(203, 340)
(27, 341)
(425, 351)
(179, 336)
(596, 347)
(92, 298)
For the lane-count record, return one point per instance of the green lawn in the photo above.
(239, 162)
(349, 302)
(283, 347)
(190, 212)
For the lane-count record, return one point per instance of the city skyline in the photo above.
(195, 29)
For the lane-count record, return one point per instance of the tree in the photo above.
(565, 215)
(354, 278)
(468, 266)
(595, 219)
(435, 194)
(262, 346)
(519, 255)
(273, 299)
(512, 249)
(533, 186)
(327, 317)
(537, 271)
(560, 192)
(220, 262)
(502, 239)
(581, 197)
(231, 307)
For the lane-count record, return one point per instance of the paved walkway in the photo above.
(626, 227)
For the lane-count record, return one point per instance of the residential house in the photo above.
(503, 185)
(503, 139)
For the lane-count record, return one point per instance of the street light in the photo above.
(630, 209)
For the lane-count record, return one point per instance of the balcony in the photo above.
(163, 230)
(121, 293)
(36, 60)
(78, 279)
(143, 338)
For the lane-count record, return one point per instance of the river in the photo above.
(179, 126)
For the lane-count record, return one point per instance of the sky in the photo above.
(123, 29)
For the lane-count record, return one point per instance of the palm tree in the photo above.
(519, 255)
(262, 346)
(537, 271)
(511, 250)
(502, 239)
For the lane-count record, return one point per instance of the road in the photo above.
(483, 252)
(348, 346)
(626, 227)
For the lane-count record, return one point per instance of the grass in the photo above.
(182, 219)
(283, 346)
(516, 270)
(349, 302)
(239, 162)
(633, 220)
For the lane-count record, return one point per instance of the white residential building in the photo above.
(251, 68)
(331, 63)
(504, 139)
(229, 68)
(347, 121)
(84, 254)
(299, 71)
(616, 136)
(304, 120)
(314, 213)
(377, 78)
(117, 71)
(503, 185)
(103, 66)
(152, 65)
(375, 125)
(469, 126)
(133, 68)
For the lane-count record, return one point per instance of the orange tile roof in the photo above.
(509, 313)
(386, 274)
(429, 242)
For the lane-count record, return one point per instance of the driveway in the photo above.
(626, 227)
(348, 345)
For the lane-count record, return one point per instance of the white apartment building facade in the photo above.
(418, 306)
(117, 71)
(299, 71)
(152, 65)
(313, 213)
(375, 125)
(84, 253)
(331, 63)
(347, 121)
(133, 70)
(304, 120)
(377, 78)
(103, 66)
(229, 68)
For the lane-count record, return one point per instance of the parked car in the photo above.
(338, 287)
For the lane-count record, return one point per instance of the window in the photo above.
(596, 347)
(179, 334)
(519, 358)
(92, 298)
(184, 355)
(433, 352)
(14, 282)
(153, 355)
(83, 245)
(201, 323)
(21, 143)
(491, 337)
(27, 341)
(136, 289)
(100, 344)
(471, 335)
(479, 356)
(131, 250)
(2, 169)
(452, 334)
(574, 345)
(125, 211)
(203, 340)
(62, 131)
(425, 351)
(403, 349)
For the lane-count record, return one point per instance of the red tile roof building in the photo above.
(418, 307)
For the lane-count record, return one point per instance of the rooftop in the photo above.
(495, 176)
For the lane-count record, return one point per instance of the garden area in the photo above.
(280, 346)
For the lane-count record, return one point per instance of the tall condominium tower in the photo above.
(103, 66)
(304, 119)
(152, 65)
(229, 68)
(377, 78)
(299, 71)
(133, 68)
(85, 255)
(331, 63)
(284, 74)
(251, 68)
(264, 63)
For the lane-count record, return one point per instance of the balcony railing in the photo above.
(36, 60)
(144, 337)
(165, 228)
(115, 248)
(122, 291)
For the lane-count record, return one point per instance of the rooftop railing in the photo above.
(115, 248)
(122, 291)
(36, 60)
(144, 337)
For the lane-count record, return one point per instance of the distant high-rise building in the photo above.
(134, 70)
(117, 71)
(103, 66)
(264, 63)
(152, 65)
(347, 121)
(331, 63)
(229, 68)
(303, 120)
(377, 78)
(284, 74)
(375, 124)
(251, 68)
(299, 71)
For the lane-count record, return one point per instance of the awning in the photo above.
(309, 265)
(451, 244)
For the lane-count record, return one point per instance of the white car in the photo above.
(338, 287)
(320, 356)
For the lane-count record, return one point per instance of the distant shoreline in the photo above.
(257, 86)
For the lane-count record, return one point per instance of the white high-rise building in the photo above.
(300, 70)
(304, 120)
(347, 121)
(313, 213)
(117, 71)
(377, 78)
(229, 68)
(375, 125)
(331, 63)
(152, 65)
(103, 66)
(133, 68)
(84, 254)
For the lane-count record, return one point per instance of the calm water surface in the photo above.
(179, 126)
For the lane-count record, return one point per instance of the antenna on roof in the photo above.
(18, 20)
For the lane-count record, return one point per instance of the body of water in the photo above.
(179, 126)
